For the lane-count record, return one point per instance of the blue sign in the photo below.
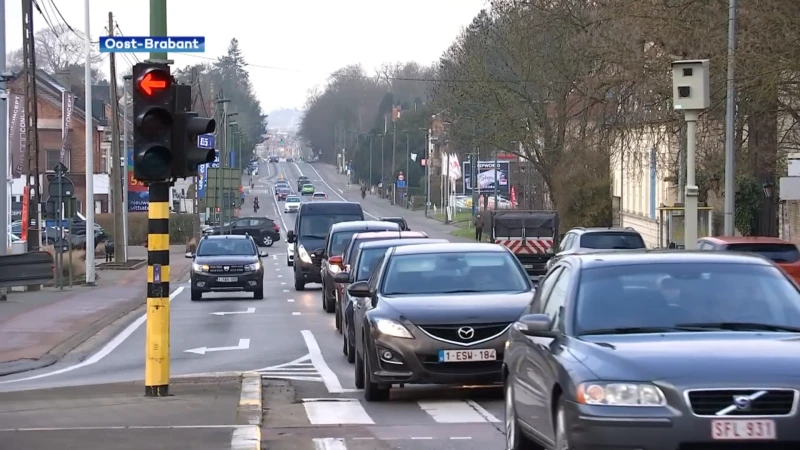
(149, 44)
(215, 164)
(205, 141)
(202, 180)
(231, 159)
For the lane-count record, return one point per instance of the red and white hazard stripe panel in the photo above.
(526, 247)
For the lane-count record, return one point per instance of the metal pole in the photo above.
(495, 179)
(394, 149)
(90, 276)
(125, 185)
(428, 153)
(370, 162)
(5, 199)
(730, 116)
(408, 162)
(156, 366)
(690, 211)
(116, 185)
(473, 171)
(447, 195)
(383, 162)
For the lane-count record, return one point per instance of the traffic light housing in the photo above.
(153, 115)
(187, 156)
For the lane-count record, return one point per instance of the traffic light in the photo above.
(153, 108)
(187, 156)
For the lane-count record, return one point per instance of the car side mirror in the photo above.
(189, 255)
(537, 325)
(290, 238)
(341, 277)
(359, 289)
(263, 253)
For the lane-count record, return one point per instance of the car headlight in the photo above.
(304, 254)
(200, 267)
(392, 328)
(620, 394)
(255, 266)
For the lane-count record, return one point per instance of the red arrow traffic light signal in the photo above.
(151, 82)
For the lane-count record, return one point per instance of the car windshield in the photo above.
(366, 264)
(779, 253)
(292, 199)
(445, 273)
(612, 240)
(284, 191)
(308, 186)
(681, 294)
(226, 247)
(317, 226)
(339, 242)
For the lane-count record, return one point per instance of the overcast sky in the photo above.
(301, 40)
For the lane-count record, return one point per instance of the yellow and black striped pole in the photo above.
(156, 367)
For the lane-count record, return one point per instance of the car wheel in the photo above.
(267, 241)
(359, 372)
(351, 351)
(515, 440)
(288, 262)
(196, 295)
(373, 392)
(344, 346)
(259, 293)
(327, 303)
(299, 284)
(562, 441)
(337, 311)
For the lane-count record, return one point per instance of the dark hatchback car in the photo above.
(656, 350)
(229, 263)
(262, 229)
(398, 220)
(366, 258)
(336, 243)
(436, 314)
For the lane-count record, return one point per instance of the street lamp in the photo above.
(769, 189)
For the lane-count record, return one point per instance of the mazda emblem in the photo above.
(226, 268)
(466, 333)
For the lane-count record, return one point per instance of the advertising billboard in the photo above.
(138, 194)
(486, 176)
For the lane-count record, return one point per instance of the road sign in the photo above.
(400, 177)
(60, 186)
(60, 168)
(206, 141)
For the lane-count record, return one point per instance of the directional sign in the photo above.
(205, 141)
(244, 344)
(249, 311)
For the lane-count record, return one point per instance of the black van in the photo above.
(310, 231)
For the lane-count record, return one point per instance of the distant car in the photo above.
(229, 263)
(283, 193)
(398, 220)
(263, 229)
(273, 159)
(319, 196)
(281, 185)
(302, 180)
(783, 253)
(290, 159)
(307, 189)
(292, 204)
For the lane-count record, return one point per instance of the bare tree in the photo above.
(59, 48)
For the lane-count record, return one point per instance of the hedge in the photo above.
(182, 227)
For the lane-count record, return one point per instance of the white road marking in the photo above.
(244, 344)
(246, 438)
(295, 313)
(455, 411)
(329, 444)
(131, 427)
(328, 377)
(336, 411)
(280, 276)
(228, 313)
(283, 283)
(275, 258)
(482, 411)
(290, 300)
(105, 351)
(301, 369)
(332, 189)
(286, 290)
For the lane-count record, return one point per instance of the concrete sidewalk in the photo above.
(381, 207)
(37, 328)
(200, 414)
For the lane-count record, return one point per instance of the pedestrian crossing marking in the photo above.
(336, 411)
(301, 369)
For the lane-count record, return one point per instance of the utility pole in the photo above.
(31, 124)
(370, 163)
(157, 340)
(730, 122)
(4, 194)
(408, 159)
(218, 188)
(496, 168)
(428, 153)
(383, 163)
(394, 157)
(89, 150)
(115, 185)
(125, 146)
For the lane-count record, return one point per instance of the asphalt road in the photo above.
(289, 339)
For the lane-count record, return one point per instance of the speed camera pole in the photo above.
(690, 91)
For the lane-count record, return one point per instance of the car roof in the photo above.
(450, 247)
(386, 243)
(320, 193)
(393, 218)
(626, 258)
(390, 234)
(332, 207)
(227, 236)
(605, 229)
(364, 225)
(744, 240)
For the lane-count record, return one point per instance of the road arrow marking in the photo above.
(228, 313)
(244, 344)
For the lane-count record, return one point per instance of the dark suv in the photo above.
(273, 159)
(302, 180)
(230, 263)
(262, 229)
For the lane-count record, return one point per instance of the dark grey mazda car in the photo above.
(436, 314)
(656, 350)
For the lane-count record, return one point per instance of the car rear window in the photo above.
(779, 253)
(613, 240)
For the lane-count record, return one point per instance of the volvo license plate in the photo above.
(227, 279)
(467, 355)
(737, 430)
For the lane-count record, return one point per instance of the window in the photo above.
(543, 291)
(220, 247)
(555, 302)
(367, 262)
(779, 253)
(339, 242)
(317, 226)
(53, 157)
(612, 240)
(566, 242)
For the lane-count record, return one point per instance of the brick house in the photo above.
(49, 93)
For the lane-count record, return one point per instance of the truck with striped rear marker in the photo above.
(532, 236)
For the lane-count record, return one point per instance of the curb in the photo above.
(62, 349)
(250, 409)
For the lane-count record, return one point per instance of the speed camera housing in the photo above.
(690, 90)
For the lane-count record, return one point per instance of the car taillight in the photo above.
(276, 227)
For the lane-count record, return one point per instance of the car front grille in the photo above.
(712, 402)
(221, 269)
(460, 335)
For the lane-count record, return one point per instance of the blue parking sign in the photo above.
(205, 141)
